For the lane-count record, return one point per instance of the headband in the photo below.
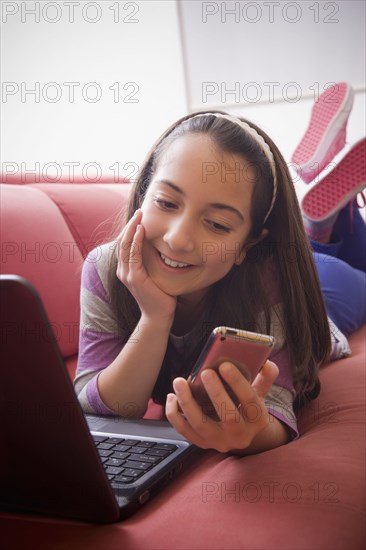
(262, 144)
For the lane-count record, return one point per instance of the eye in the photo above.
(218, 227)
(165, 204)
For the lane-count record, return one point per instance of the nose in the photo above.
(179, 234)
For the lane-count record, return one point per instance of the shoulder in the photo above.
(96, 269)
(102, 254)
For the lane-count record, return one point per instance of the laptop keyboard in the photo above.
(125, 460)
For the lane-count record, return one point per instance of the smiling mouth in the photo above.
(173, 263)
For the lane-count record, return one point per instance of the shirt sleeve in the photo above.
(280, 399)
(100, 340)
(279, 402)
(340, 346)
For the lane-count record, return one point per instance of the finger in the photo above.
(265, 378)
(238, 424)
(224, 406)
(135, 256)
(179, 421)
(236, 381)
(249, 405)
(186, 401)
(125, 245)
(134, 220)
(125, 238)
(251, 408)
(192, 411)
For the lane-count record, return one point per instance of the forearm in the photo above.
(127, 383)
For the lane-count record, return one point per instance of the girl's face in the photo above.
(196, 215)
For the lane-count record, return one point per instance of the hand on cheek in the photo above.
(131, 271)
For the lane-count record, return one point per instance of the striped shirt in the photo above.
(101, 340)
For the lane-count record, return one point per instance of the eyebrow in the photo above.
(217, 205)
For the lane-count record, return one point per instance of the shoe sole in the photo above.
(338, 188)
(326, 134)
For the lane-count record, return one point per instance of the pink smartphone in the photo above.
(247, 350)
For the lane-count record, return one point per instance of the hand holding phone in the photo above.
(248, 351)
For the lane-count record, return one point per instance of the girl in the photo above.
(214, 237)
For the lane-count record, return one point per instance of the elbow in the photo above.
(129, 410)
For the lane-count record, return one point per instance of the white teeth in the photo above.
(172, 263)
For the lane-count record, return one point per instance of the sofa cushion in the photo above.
(91, 213)
(37, 244)
(307, 494)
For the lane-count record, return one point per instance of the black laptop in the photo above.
(54, 459)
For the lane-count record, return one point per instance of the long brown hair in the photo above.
(235, 299)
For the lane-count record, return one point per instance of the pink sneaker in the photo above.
(322, 203)
(326, 134)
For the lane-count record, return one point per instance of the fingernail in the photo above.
(207, 375)
(178, 385)
(272, 364)
(226, 368)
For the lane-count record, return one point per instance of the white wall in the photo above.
(269, 60)
(99, 46)
(163, 52)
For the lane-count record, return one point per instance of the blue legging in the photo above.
(342, 270)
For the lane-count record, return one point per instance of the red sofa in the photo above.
(309, 494)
